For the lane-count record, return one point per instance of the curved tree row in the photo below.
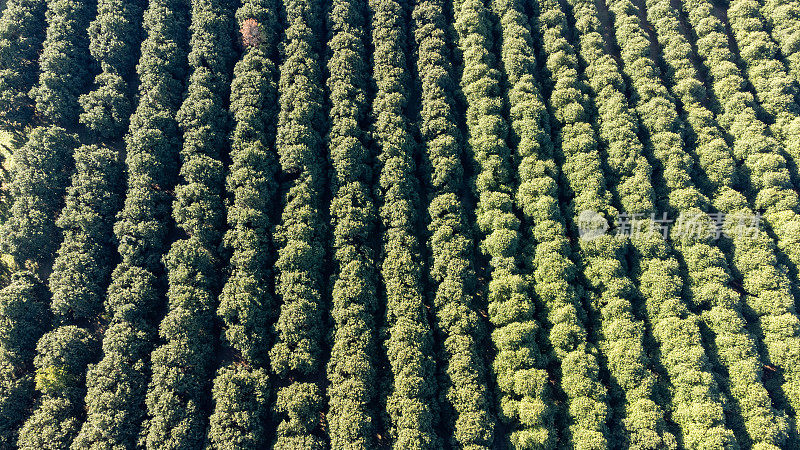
(62, 354)
(65, 63)
(41, 174)
(82, 269)
(24, 317)
(715, 157)
(783, 17)
(775, 90)
(770, 190)
(677, 195)
(246, 305)
(21, 38)
(117, 384)
(463, 397)
(510, 306)
(708, 274)
(177, 403)
(297, 355)
(115, 36)
(576, 148)
(40, 171)
(81, 275)
(527, 406)
(351, 368)
(411, 390)
(643, 421)
(30, 235)
(83, 266)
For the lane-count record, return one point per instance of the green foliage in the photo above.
(64, 64)
(152, 145)
(22, 33)
(16, 395)
(83, 266)
(351, 368)
(708, 271)
(524, 406)
(52, 426)
(299, 404)
(771, 193)
(585, 184)
(246, 306)
(24, 317)
(240, 414)
(61, 359)
(659, 119)
(117, 384)
(783, 17)
(296, 356)
(114, 38)
(410, 390)
(40, 171)
(462, 376)
(52, 379)
(775, 89)
(176, 398)
(178, 404)
(270, 286)
(62, 356)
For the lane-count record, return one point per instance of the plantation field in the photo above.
(429, 224)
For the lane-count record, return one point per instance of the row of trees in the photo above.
(297, 356)
(462, 375)
(527, 407)
(25, 313)
(81, 274)
(410, 391)
(41, 175)
(247, 307)
(511, 310)
(622, 334)
(770, 191)
(352, 365)
(82, 269)
(40, 172)
(182, 365)
(708, 274)
(33, 234)
(551, 296)
(775, 89)
(576, 149)
(715, 159)
(117, 384)
(783, 17)
(21, 39)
